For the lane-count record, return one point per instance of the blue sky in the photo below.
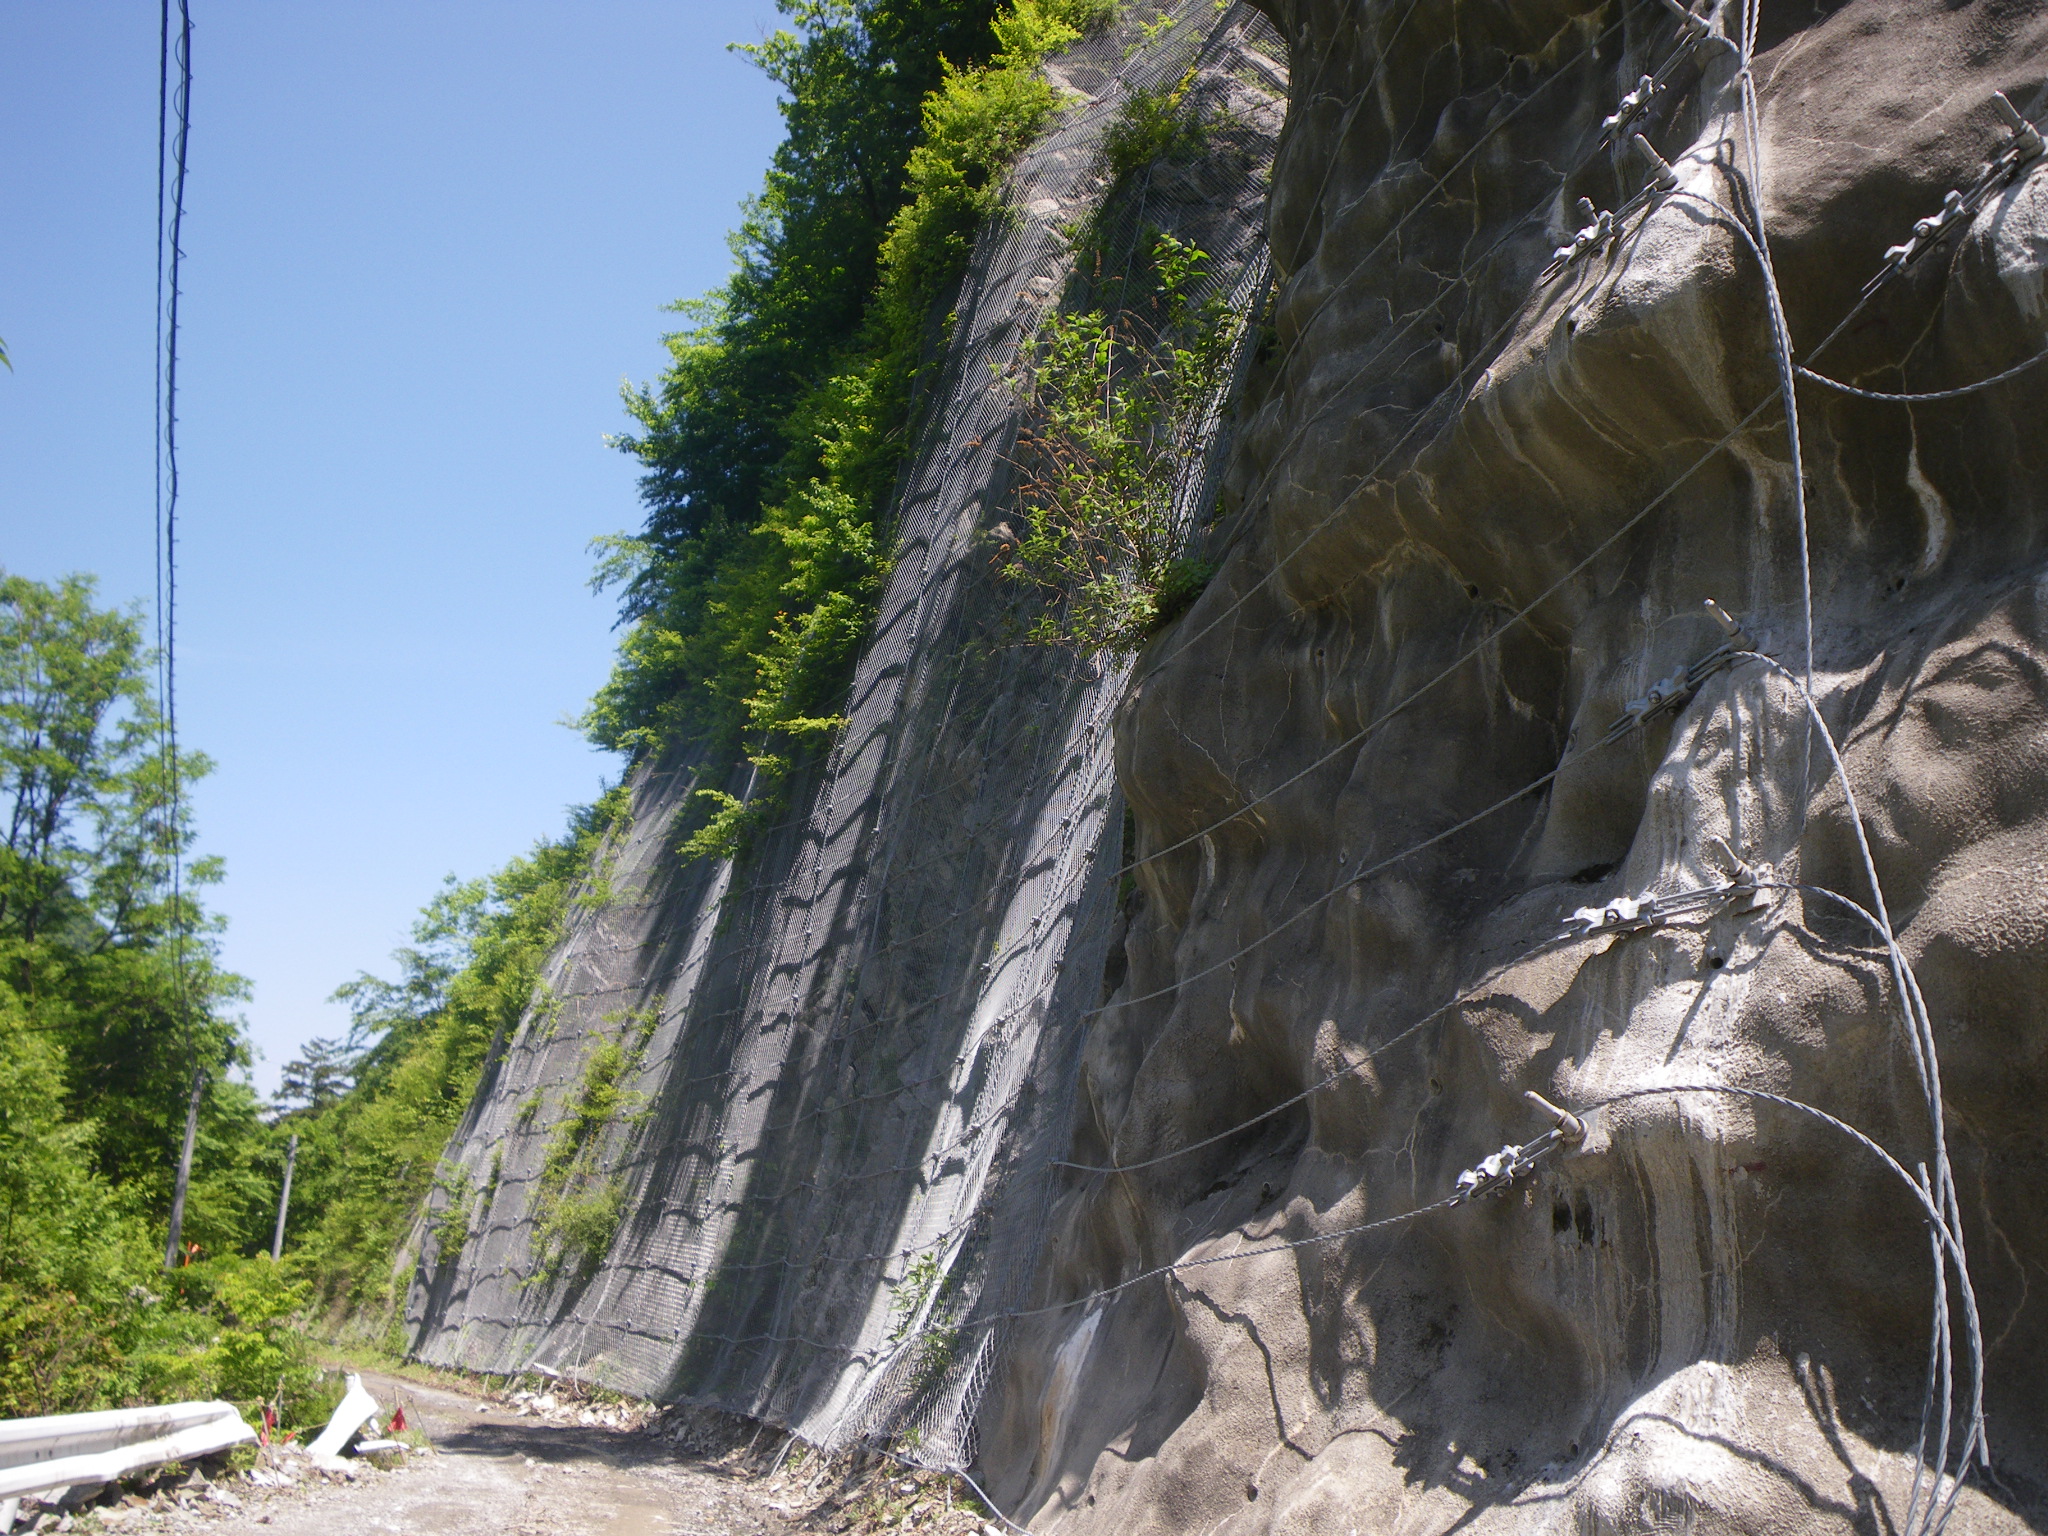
(424, 245)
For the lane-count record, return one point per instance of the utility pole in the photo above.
(284, 1199)
(184, 1170)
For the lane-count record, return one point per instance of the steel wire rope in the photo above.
(1420, 416)
(1927, 1060)
(1922, 398)
(1910, 1002)
(1378, 1048)
(1616, 732)
(1523, 613)
(1351, 108)
(1941, 1236)
(1928, 1201)
(1684, 51)
(1781, 331)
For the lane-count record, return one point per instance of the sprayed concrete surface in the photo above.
(1476, 512)
(1422, 716)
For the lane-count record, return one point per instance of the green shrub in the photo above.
(574, 1230)
(748, 611)
(1150, 126)
(576, 1207)
(367, 1163)
(1116, 397)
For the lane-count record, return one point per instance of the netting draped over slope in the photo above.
(850, 1056)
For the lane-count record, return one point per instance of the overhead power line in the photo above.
(173, 120)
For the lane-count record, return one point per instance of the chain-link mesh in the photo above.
(852, 1053)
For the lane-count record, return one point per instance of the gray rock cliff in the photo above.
(1375, 771)
(1112, 1076)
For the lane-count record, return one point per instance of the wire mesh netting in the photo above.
(848, 1058)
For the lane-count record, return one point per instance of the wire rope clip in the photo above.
(1633, 106)
(1488, 1174)
(1571, 1130)
(1620, 914)
(1593, 234)
(1662, 177)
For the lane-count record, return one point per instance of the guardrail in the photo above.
(68, 1449)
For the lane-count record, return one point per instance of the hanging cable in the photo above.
(1918, 399)
(174, 105)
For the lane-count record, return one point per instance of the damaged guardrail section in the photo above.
(65, 1450)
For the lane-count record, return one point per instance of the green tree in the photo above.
(109, 997)
(368, 1161)
(102, 948)
(320, 1074)
(772, 440)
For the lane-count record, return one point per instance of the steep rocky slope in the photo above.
(779, 1125)
(1381, 764)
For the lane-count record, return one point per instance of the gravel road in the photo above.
(551, 1465)
(491, 1473)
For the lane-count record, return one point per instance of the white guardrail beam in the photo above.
(68, 1449)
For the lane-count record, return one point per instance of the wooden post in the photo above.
(184, 1170)
(284, 1199)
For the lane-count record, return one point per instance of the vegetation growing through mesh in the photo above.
(1117, 398)
(578, 1205)
(769, 446)
(772, 441)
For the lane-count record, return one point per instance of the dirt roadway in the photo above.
(494, 1473)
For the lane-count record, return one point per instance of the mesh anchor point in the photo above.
(1571, 1130)
(1730, 625)
(1662, 176)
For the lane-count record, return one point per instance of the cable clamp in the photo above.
(1633, 106)
(1622, 914)
(1596, 232)
(1490, 1173)
(1663, 693)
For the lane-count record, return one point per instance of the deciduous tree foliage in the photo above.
(772, 440)
(110, 996)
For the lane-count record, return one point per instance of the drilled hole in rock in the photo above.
(1582, 1219)
(1593, 874)
(1717, 961)
(1560, 1217)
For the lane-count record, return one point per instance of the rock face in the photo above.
(779, 1128)
(1376, 769)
